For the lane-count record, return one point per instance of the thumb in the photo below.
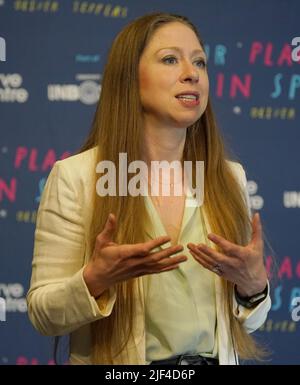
(256, 229)
(107, 233)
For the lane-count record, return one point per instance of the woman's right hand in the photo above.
(112, 263)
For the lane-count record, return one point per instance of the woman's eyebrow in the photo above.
(180, 50)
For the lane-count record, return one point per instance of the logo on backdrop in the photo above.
(11, 90)
(296, 50)
(2, 309)
(2, 49)
(256, 201)
(291, 199)
(13, 296)
(296, 310)
(87, 92)
(84, 58)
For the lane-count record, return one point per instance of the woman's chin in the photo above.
(186, 120)
(184, 123)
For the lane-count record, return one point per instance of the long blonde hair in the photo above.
(118, 127)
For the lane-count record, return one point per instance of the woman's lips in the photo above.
(188, 102)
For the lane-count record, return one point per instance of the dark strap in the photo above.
(191, 359)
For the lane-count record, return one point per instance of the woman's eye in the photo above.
(170, 60)
(201, 63)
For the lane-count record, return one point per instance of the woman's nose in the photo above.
(189, 73)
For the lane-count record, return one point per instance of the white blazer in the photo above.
(59, 302)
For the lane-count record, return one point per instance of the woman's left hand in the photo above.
(242, 265)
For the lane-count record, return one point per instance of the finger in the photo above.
(166, 253)
(256, 230)
(168, 269)
(153, 268)
(143, 249)
(199, 258)
(167, 263)
(208, 264)
(153, 243)
(155, 261)
(111, 244)
(198, 253)
(173, 267)
(228, 247)
(211, 255)
(107, 233)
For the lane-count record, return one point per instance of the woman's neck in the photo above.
(164, 144)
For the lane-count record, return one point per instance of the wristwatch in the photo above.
(250, 302)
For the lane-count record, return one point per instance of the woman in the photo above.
(139, 279)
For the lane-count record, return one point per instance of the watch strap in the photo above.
(252, 301)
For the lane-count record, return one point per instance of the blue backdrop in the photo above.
(49, 85)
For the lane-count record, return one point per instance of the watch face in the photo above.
(257, 298)
(250, 302)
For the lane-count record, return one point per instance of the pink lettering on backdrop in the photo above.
(298, 270)
(269, 266)
(25, 361)
(270, 54)
(220, 85)
(255, 50)
(49, 160)
(32, 166)
(237, 84)
(35, 161)
(9, 191)
(285, 269)
(21, 154)
(285, 56)
(22, 360)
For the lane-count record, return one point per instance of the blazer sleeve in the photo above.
(252, 319)
(58, 299)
